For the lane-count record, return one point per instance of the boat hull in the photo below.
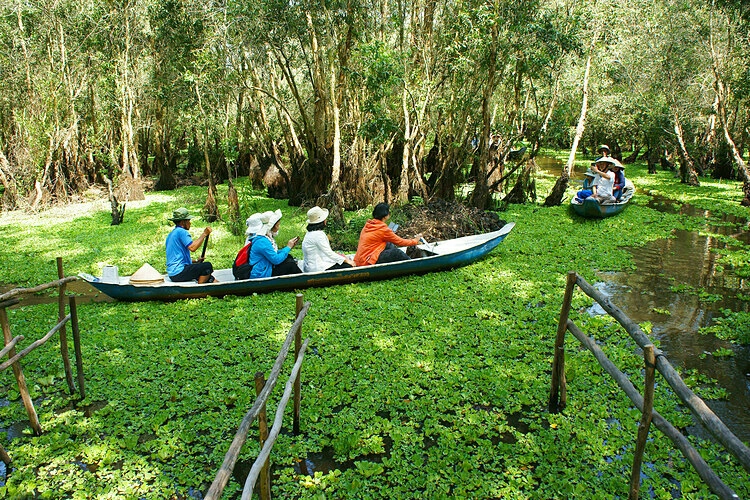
(592, 209)
(459, 252)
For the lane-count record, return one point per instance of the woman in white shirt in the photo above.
(316, 248)
(606, 182)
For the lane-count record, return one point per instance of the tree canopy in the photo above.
(349, 103)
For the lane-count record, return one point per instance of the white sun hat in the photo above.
(269, 219)
(316, 215)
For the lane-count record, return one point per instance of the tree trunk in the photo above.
(334, 199)
(481, 196)
(402, 196)
(558, 191)
(721, 94)
(210, 210)
(687, 168)
(129, 183)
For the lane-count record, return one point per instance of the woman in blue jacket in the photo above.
(265, 257)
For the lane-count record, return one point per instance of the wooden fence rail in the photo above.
(262, 459)
(240, 437)
(558, 391)
(11, 298)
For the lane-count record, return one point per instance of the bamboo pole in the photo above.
(643, 427)
(18, 373)
(701, 467)
(63, 334)
(14, 358)
(225, 471)
(697, 406)
(11, 345)
(558, 396)
(297, 382)
(252, 477)
(21, 291)
(265, 476)
(77, 346)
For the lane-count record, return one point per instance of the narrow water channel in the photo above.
(647, 295)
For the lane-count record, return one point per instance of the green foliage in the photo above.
(734, 326)
(429, 386)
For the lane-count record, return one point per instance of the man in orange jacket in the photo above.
(377, 243)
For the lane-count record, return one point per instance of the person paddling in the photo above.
(179, 244)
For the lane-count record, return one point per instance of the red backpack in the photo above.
(241, 268)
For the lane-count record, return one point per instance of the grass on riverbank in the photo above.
(432, 386)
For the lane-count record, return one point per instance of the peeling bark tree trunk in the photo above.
(334, 199)
(402, 196)
(687, 168)
(721, 94)
(558, 191)
(210, 210)
(481, 197)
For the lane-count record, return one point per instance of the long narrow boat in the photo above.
(592, 209)
(439, 256)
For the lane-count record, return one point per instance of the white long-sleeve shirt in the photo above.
(317, 252)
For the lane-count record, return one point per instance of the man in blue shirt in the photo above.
(179, 244)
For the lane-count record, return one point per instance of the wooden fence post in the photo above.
(297, 388)
(63, 336)
(648, 406)
(558, 396)
(77, 345)
(20, 379)
(264, 479)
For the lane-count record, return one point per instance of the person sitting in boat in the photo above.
(253, 226)
(589, 184)
(265, 257)
(618, 169)
(603, 151)
(316, 247)
(378, 243)
(606, 181)
(179, 244)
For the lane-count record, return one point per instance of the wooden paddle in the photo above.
(203, 252)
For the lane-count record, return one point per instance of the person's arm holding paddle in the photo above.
(196, 244)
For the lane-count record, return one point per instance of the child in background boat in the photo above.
(316, 248)
(618, 169)
(378, 243)
(589, 184)
(179, 244)
(265, 257)
(606, 181)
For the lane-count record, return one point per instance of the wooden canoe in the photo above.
(592, 209)
(441, 255)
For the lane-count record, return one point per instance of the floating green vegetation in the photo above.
(431, 386)
(699, 292)
(658, 310)
(734, 326)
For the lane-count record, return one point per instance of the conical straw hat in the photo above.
(146, 275)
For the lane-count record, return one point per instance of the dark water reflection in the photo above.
(646, 295)
(554, 167)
